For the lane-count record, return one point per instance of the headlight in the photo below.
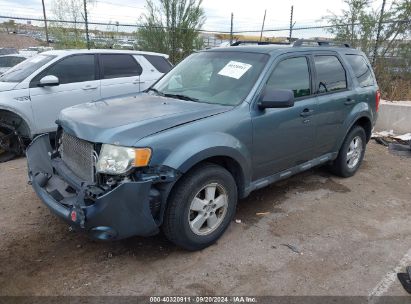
(118, 160)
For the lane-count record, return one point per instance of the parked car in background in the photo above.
(9, 61)
(220, 125)
(33, 92)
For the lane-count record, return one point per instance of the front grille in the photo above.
(78, 155)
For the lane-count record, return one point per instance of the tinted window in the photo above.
(330, 74)
(292, 74)
(119, 65)
(361, 70)
(72, 69)
(160, 63)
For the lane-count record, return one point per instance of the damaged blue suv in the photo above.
(222, 123)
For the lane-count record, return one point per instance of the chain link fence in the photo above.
(392, 63)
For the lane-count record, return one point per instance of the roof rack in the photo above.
(239, 42)
(312, 42)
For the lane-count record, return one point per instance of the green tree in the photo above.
(171, 27)
(358, 25)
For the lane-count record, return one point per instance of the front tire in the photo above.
(12, 146)
(200, 207)
(351, 153)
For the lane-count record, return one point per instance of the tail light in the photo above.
(377, 100)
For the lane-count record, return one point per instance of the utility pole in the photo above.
(377, 40)
(231, 29)
(291, 24)
(262, 28)
(86, 21)
(45, 22)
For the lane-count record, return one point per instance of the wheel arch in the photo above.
(365, 123)
(14, 119)
(231, 165)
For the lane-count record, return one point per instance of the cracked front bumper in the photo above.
(115, 214)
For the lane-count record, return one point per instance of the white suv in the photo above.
(34, 92)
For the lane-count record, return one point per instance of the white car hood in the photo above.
(7, 86)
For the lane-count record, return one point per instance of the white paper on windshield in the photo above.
(235, 69)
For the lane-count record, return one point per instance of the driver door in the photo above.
(284, 137)
(78, 84)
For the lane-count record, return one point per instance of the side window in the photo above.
(160, 63)
(330, 74)
(361, 70)
(292, 74)
(119, 65)
(72, 69)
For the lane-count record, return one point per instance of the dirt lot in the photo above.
(353, 234)
(17, 41)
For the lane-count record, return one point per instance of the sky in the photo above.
(248, 15)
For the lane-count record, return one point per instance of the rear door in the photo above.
(154, 67)
(284, 138)
(78, 83)
(120, 75)
(336, 98)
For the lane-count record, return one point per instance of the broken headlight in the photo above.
(119, 160)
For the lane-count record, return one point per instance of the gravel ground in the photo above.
(351, 234)
(17, 41)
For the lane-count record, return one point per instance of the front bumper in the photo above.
(106, 215)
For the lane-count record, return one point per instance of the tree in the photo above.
(171, 27)
(10, 26)
(355, 24)
(358, 24)
(69, 34)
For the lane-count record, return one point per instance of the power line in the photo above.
(200, 30)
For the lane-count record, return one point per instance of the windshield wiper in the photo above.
(156, 91)
(181, 96)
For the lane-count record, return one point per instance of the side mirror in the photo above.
(274, 98)
(48, 81)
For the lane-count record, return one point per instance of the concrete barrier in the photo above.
(394, 116)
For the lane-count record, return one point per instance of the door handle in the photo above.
(349, 101)
(306, 112)
(89, 87)
(138, 82)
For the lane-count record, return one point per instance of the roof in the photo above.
(99, 51)
(15, 55)
(279, 49)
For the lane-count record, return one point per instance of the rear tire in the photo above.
(200, 207)
(351, 153)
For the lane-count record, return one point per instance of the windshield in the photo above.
(21, 71)
(213, 77)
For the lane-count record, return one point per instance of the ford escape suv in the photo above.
(222, 123)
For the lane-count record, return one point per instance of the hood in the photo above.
(7, 86)
(124, 121)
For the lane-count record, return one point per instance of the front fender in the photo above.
(211, 145)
